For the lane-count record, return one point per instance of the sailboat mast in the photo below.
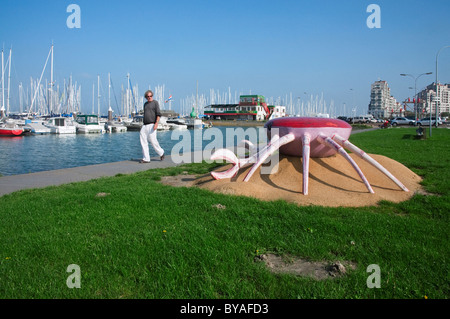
(38, 84)
(9, 80)
(20, 97)
(128, 93)
(3, 85)
(93, 97)
(98, 94)
(196, 102)
(109, 90)
(51, 83)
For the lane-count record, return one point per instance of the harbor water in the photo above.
(35, 153)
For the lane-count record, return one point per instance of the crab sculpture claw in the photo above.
(257, 158)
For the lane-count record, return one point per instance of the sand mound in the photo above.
(332, 182)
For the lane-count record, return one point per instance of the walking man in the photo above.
(152, 114)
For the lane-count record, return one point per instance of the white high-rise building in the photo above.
(427, 96)
(382, 103)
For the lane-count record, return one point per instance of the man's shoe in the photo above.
(162, 157)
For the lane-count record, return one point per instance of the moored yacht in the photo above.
(87, 124)
(136, 123)
(177, 124)
(61, 125)
(194, 123)
(162, 124)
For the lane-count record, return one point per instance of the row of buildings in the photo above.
(384, 105)
(250, 107)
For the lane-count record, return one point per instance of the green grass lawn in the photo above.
(148, 240)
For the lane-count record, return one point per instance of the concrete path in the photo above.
(9, 184)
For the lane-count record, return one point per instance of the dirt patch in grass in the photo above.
(179, 180)
(301, 267)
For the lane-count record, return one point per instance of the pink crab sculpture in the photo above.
(301, 137)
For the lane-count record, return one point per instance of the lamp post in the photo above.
(437, 87)
(415, 89)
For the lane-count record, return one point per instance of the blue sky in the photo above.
(272, 48)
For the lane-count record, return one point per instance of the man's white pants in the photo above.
(148, 134)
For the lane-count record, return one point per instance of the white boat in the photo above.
(194, 123)
(87, 124)
(162, 124)
(136, 123)
(61, 125)
(177, 124)
(37, 127)
(115, 127)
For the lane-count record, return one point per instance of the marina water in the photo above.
(35, 153)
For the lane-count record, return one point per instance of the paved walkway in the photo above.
(9, 184)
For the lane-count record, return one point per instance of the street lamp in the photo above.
(437, 87)
(415, 89)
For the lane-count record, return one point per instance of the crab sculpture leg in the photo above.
(351, 147)
(332, 144)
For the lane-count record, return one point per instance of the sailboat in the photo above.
(9, 127)
(111, 125)
(193, 121)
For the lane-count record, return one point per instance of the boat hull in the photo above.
(90, 129)
(11, 132)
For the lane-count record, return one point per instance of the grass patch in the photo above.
(142, 239)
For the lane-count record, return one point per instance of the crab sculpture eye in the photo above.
(301, 137)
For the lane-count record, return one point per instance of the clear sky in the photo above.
(271, 48)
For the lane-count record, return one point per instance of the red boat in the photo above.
(10, 129)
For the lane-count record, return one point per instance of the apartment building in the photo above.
(382, 103)
(428, 98)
